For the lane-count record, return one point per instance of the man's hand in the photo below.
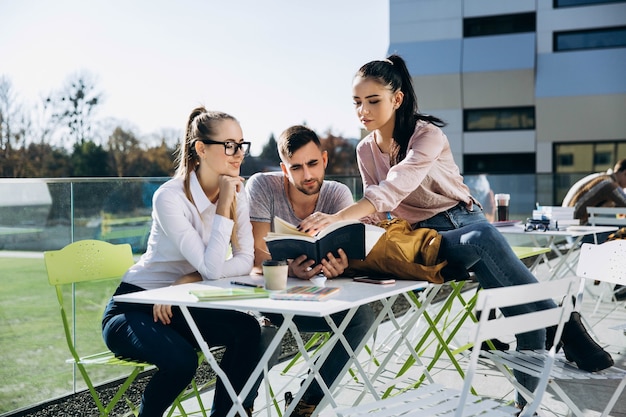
(332, 266)
(303, 268)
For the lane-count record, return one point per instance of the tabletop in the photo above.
(571, 231)
(352, 294)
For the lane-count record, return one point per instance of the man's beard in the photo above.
(309, 191)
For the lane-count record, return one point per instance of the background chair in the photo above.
(86, 261)
(604, 261)
(435, 400)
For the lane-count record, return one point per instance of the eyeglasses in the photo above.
(230, 147)
(540, 225)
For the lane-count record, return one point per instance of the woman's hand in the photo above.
(185, 279)
(162, 313)
(229, 187)
(316, 222)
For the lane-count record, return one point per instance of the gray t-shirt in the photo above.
(267, 198)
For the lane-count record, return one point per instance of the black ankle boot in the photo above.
(550, 332)
(579, 347)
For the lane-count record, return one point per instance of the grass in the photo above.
(32, 343)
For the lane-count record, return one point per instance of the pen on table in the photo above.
(245, 284)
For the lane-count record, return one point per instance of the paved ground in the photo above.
(591, 395)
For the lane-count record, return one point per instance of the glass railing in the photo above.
(46, 214)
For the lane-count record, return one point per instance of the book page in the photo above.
(335, 226)
(372, 234)
(283, 227)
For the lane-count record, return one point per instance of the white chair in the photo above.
(437, 400)
(607, 216)
(605, 262)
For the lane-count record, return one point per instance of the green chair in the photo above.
(93, 260)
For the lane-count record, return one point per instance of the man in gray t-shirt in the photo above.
(293, 194)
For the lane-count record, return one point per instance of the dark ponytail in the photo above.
(393, 73)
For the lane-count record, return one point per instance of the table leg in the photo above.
(237, 404)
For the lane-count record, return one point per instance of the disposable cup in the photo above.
(502, 207)
(275, 274)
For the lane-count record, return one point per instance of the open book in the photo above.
(287, 242)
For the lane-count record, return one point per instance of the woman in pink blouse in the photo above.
(408, 171)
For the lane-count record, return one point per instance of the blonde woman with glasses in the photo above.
(197, 217)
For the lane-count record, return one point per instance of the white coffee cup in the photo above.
(275, 274)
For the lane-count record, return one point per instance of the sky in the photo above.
(271, 64)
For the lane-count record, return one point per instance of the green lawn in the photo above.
(32, 343)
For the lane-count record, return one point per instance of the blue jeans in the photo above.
(471, 241)
(130, 331)
(360, 323)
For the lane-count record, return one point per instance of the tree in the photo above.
(74, 106)
(269, 153)
(341, 155)
(13, 128)
(123, 148)
(89, 160)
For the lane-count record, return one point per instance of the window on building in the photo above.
(503, 118)
(587, 157)
(574, 3)
(614, 37)
(499, 25)
(501, 163)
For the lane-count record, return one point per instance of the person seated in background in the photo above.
(598, 190)
(293, 194)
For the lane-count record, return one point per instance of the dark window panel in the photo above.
(503, 118)
(614, 37)
(574, 3)
(502, 163)
(499, 25)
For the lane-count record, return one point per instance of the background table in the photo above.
(565, 261)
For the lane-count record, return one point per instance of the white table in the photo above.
(550, 238)
(351, 297)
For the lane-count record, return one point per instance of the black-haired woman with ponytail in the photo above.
(408, 171)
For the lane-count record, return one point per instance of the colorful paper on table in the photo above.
(304, 293)
(225, 294)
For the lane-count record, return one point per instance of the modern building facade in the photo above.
(527, 86)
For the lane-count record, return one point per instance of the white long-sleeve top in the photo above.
(185, 238)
